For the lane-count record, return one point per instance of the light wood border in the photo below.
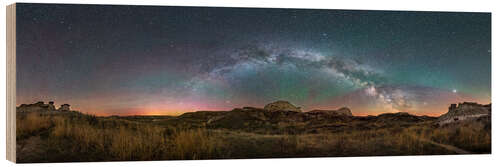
(11, 82)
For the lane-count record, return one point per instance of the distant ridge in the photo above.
(279, 115)
(342, 111)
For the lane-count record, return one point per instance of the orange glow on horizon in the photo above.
(172, 109)
(172, 112)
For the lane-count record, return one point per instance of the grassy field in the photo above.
(72, 136)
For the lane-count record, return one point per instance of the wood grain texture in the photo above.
(11, 83)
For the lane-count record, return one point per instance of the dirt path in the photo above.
(30, 149)
(33, 148)
(446, 146)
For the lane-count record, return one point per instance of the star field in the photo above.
(128, 60)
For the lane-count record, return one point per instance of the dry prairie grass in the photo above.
(363, 143)
(27, 125)
(472, 136)
(196, 144)
(120, 142)
(80, 137)
(118, 139)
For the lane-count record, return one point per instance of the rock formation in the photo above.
(64, 107)
(342, 111)
(51, 106)
(42, 107)
(464, 111)
(281, 106)
(36, 107)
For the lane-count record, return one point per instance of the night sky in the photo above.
(125, 60)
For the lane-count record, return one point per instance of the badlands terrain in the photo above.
(46, 133)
